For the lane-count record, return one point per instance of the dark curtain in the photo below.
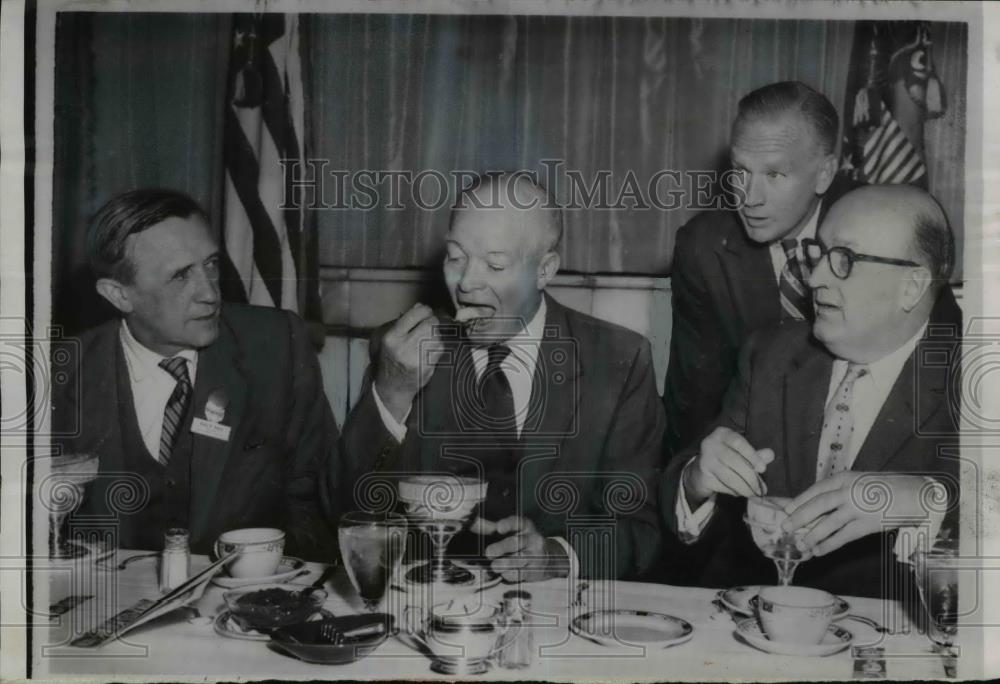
(616, 95)
(138, 98)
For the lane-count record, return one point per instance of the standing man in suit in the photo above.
(556, 410)
(737, 271)
(211, 415)
(850, 415)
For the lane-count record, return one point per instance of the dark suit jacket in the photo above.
(589, 449)
(777, 400)
(723, 288)
(271, 471)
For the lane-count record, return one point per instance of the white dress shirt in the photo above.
(778, 256)
(151, 385)
(869, 395)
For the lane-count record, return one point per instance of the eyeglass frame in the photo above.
(852, 256)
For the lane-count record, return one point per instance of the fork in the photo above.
(334, 636)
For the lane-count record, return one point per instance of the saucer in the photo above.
(836, 639)
(632, 628)
(289, 568)
(739, 600)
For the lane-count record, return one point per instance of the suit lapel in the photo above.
(750, 279)
(805, 404)
(895, 422)
(103, 406)
(555, 389)
(219, 370)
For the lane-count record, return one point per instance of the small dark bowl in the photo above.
(266, 607)
(306, 642)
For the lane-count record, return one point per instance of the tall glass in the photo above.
(61, 493)
(936, 573)
(371, 546)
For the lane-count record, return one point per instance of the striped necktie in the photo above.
(177, 405)
(796, 300)
(838, 426)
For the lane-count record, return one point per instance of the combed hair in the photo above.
(128, 214)
(934, 244)
(793, 96)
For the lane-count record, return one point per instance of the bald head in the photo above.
(905, 221)
(519, 205)
(903, 253)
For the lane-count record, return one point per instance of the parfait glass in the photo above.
(371, 545)
(61, 493)
(441, 506)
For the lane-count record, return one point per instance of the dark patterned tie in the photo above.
(177, 405)
(838, 426)
(796, 300)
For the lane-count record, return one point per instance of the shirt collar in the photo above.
(143, 361)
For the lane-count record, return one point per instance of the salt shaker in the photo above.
(175, 563)
(519, 643)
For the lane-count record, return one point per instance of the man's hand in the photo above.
(401, 370)
(842, 511)
(727, 464)
(525, 555)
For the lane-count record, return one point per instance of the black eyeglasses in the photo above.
(842, 259)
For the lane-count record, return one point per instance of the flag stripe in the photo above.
(243, 170)
(264, 124)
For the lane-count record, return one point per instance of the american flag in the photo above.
(264, 124)
(888, 156)
(892, 89)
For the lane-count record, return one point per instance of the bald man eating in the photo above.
(555, 410)
(848, 416)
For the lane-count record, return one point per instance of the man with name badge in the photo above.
(204, 415)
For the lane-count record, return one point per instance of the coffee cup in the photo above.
(259, 551)
(795, 615)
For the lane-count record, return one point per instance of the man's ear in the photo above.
(548, 266)
(827, 172)
(916, 283)
(116, 293)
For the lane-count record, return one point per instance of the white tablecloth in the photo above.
(173, 646)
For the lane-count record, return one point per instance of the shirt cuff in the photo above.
(690, 524)
(395, 428)
(912, 538)
(574, 562)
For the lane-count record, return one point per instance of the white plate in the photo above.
(738, 600)
(836, 639)
(288, 568)
(632, 628)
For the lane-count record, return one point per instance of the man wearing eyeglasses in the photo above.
(849, 416)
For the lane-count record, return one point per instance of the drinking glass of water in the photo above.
(371, 546)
